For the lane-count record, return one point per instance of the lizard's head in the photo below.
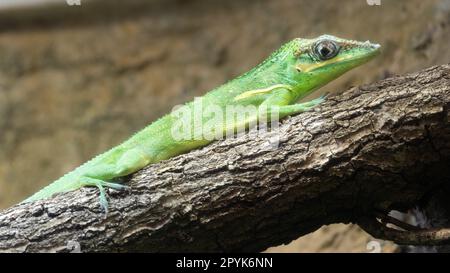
(318, 61)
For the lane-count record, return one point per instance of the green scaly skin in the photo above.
(289, 74)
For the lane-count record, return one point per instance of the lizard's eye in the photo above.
(326, 49)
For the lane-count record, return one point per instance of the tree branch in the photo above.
(376, 147)
(431, 237)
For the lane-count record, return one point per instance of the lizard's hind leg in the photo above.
(99, 175)
(101, 185)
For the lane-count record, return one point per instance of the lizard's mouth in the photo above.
(370, 51)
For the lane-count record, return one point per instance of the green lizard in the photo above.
(289, 74)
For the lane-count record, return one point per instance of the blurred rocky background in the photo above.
(76, 80)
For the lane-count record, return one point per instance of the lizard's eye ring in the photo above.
(326, 49)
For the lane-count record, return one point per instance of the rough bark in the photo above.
(380, 146)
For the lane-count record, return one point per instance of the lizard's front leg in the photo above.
(278, 104)
(287, 110)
